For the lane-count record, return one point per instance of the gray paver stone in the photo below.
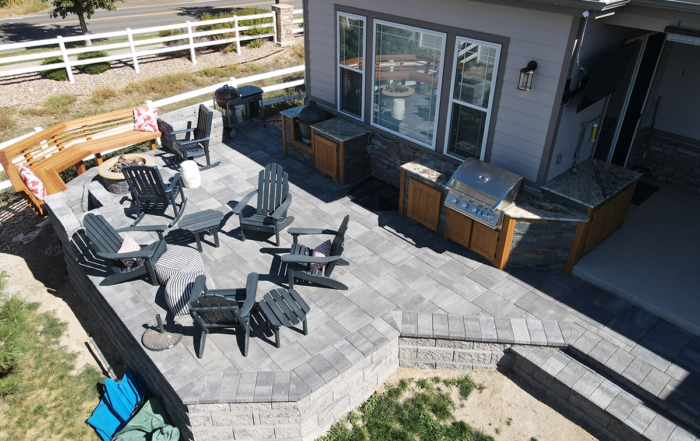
(588, 382)
(555, 364)
(456, 327)
(520, 332)
(622, 405)
(655, 381)
(425, 325)
(619, 361)
(504, 330)
(604, 394)
(553, 333)
(659, 429)
(488, 328)
(636, 371)
(409, 324)
(680, 434)
(640, 417)
(472, 328)
(566, 378)
(536, 329)
(441, 327)
(585, 343)
(323, 367)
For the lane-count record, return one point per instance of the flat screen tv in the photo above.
(607, 74)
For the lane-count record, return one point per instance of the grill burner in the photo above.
(482, 191)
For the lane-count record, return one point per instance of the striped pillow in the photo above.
(323, 250)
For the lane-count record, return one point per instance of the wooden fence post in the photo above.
(64, 54)
(191, 39)
(134, 57)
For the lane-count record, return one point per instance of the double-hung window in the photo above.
(351, 65)
(471, 98)
(408, 64)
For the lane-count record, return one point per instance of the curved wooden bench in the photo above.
(66, 144)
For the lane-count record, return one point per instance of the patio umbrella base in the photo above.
(158, 339)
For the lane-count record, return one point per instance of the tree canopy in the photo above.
(84, 9)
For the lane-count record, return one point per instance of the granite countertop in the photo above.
(531, 208)
(291, 113)
(431, 169)
(594, 183)
(340, 129)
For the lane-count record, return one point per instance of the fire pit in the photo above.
(111, 174)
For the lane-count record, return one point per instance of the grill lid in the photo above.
(485, 182)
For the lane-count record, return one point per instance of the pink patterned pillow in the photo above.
(129, 245)
(145, 120)
(33, 183)
(323, 250)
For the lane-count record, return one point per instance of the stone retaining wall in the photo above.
(429, 353)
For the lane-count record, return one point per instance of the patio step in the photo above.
(643, 376)
(610, 409)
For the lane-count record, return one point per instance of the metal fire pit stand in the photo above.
(249, 94)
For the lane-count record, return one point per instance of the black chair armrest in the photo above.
(177, 132)
(142, 254)
(193, 141)
(310, 231)
(308, 259)
(176, 180)
(277, 215)
(157, 228)
(238, 209)
(198, 287)
(251, 289)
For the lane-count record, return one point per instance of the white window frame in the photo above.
(454, 101)
(342, 66)
(374, 76)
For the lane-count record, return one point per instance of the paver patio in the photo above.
(402, 278)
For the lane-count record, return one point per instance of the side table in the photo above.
(282, 307)
(206, 221)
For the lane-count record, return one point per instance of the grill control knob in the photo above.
(464, 205)
(454, 201)
(474, 210)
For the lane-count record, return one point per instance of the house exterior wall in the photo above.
(521, 121)
(599, 38)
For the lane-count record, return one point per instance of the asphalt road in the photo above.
(41, 26)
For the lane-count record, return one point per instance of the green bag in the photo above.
(151, 423)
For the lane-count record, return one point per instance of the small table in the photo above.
(282, 307)
(206, 221)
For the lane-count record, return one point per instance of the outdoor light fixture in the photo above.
(526, 74)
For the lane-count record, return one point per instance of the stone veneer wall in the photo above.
(388, 157)
(543, 245)
(669, 160)
(306, 419)
(431, 353)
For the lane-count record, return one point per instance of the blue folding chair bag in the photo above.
(117, 404)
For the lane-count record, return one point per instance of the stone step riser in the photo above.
(607, 410)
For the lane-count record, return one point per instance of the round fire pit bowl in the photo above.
(114, 181)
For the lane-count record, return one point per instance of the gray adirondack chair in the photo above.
(147, 189)
(199, 145)
(222, 308)
(105, 241)
(273, 202)
(301, 257)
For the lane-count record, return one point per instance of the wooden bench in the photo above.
(66, 144)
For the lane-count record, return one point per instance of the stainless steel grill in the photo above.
(482, 191)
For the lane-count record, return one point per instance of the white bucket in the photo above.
(190, 174)
(398, 110)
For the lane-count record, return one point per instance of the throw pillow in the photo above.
(145, 120)
(129, 245)
(323, 250)
(33, 183)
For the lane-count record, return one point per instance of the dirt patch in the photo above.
(33, 258)
(507, 409)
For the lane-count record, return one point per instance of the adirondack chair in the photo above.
(105, 241)
(301, 257)
(147, 188)
(215, 309)
(273, 202)
(199, 146)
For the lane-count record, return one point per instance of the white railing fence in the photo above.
(185, 33)
(235, 82)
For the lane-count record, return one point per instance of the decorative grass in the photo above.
(409, 411)
(40, 396)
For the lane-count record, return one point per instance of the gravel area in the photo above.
(31, 90)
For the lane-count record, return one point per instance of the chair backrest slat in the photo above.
(215, 309)
(102, 236)
(144, 181)
(204, 121)
(273, 188)
(338, 244)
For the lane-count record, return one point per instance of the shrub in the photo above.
(247, 33)
(96, 68)
(59, 101)
(54, 74)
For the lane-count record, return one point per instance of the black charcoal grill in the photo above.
(250, 97)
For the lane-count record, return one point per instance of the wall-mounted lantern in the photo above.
(526, 74)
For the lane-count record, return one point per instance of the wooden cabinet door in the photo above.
(458, 228)
(608, 218)
(484, 240)
(326, 156)
(424, 204)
